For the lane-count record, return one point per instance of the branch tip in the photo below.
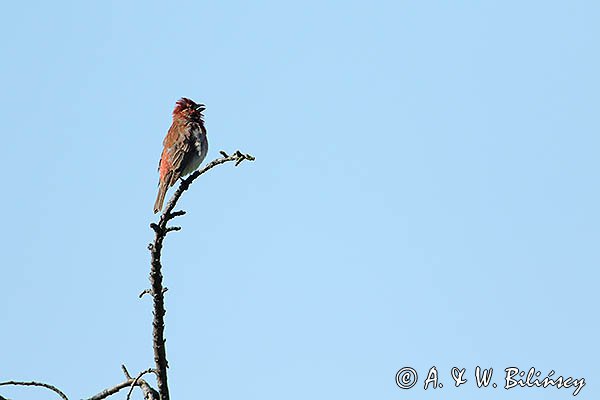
(125, 372)
(174, 214)
(155, 227)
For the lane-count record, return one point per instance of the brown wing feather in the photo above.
(178, 155)
(177, 145)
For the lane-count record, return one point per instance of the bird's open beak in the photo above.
(201, 107)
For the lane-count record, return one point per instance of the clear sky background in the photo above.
(425, 192)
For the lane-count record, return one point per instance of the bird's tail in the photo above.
(160, 198)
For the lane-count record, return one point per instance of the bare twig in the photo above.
(167, 214)
(32, 383)
(161, 230)
(149, 393)
(149, 291)
(176, 214)
(125, 372)
(112, 390)
(137, 379)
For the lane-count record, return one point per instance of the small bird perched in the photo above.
(184, 147)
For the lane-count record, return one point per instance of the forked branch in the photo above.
(157, 291)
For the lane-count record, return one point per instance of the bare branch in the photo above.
(32, 383)
(185, 183)
(149, 393)
(175, 214)
(110, 391)
(125, 372)
(161, 230)
(137, 379)
(157, 291)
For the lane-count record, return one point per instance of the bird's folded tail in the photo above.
(160, 199)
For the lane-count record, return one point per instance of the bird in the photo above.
(184, 147)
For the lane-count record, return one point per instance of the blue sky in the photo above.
(425, 193)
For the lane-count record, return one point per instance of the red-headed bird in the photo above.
(184, 147)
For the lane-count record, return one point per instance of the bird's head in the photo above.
(186, 108)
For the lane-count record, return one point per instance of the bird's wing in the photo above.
(177, 144)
